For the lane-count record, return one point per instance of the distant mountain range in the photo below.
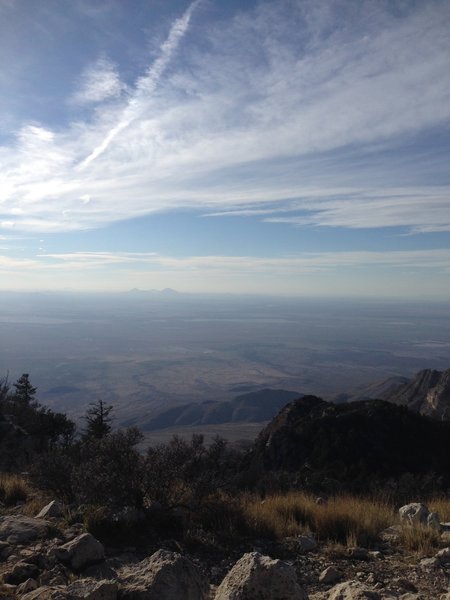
(253, 407)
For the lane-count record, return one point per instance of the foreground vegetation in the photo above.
(187, 490)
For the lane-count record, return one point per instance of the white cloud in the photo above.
(100, 81)
(305, 262)
(262, 110)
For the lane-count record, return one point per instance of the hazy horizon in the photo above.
(144, 352)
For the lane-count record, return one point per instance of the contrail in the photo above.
(146, 84)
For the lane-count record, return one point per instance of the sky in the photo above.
(292, 147)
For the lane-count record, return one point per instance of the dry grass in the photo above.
(419, 539)
(344, 519)
(13, 489)
(442, 507)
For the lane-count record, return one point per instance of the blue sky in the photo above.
(290, 147)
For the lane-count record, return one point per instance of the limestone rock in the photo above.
(5, 550)
(53, 509)
(330, 575)
(18, 529)
(443, 556)
(47, 593)
(258, 577)
(429, 564)
(301, 543)
(358, 553)
(20, 572)
(352, 590)
(27, 586)
(414, 513)
(90, 589)
(163, 576)
(81, 552)
(433, 521)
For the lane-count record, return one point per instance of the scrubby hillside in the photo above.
(354, 444)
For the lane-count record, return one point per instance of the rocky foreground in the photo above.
(42, 560)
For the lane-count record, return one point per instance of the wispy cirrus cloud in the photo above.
(258, 110)
(305, 262)
(100, 81)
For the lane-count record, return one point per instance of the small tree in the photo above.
(98, 420)
(25, 392)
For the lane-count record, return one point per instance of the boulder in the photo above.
(163, 576)
(330, 575)
(20, 572)
(80, 552)
(301, 543)
(433, 521)
(258, 577)
(18, 529)
(358, 553)
(53, 509)
(90, 589)
(414, 514)
(47, 593)
(352, 590)
(443, 556)
(430, 564)
(27, 586)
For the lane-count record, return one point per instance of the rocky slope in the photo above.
(41, 558)
(428, 393)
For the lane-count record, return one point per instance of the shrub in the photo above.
(183, 473)
(13, 489)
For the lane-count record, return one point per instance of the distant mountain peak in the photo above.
(427, 393)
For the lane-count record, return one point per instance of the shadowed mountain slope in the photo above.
(246, 408)
(354, 441)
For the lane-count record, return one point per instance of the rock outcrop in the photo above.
(163, 576)
(258, 577)
(80, 552)
(428, 393)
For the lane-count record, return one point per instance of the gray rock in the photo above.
(80, 552)
(20, 572)
(330, 575)
(352, 590)
(90, 589)
(390, 534)
(53, 509)
(5, 550)
(433, 521)
(27, 586)
(18, 529)
(163, 576)
(445, 537)
(443, 556)
(47, 593)
(429, 564)
(358, 553)
(258, 577)
(414, 514)
(301, 543)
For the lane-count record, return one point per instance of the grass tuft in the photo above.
(344, 519)
(13, 489)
